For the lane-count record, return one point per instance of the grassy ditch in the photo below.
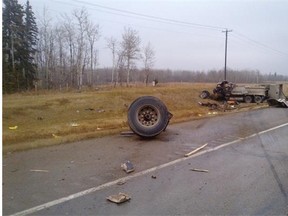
(36, 119)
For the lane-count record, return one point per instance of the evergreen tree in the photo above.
(29, 43)
(12, 32)
(18, 46)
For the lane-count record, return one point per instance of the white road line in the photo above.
(108, 184)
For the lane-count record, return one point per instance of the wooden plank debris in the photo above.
(196, 150)
(127, 133)
(39, 171)
(199, 170)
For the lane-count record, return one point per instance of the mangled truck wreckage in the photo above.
(148, 116)
(227, 91)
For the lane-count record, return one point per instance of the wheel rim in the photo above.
(258, 99)
(248, 99)
(203, 95)
(148, 116)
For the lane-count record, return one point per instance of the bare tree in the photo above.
(93, 35)
(44, 46)
(130, 47)
(70, 37)
(61, 56)
(148, 58)
(112, 45)
(120, 66)
(81, 18)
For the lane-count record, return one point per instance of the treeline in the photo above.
(64, 54)
(103, 76)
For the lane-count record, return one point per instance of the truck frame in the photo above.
(246, 93)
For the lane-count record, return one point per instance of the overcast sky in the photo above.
(258, 40)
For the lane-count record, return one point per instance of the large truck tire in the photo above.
(258, 99)
(248, 99)
(148, 116)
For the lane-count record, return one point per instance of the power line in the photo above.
(155, 18)
(177, 22)
(259, 44)
(127, 13)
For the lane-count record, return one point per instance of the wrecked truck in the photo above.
(227, 91)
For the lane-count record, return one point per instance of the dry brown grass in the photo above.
(48, 118)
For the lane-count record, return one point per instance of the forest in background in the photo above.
(64, 54)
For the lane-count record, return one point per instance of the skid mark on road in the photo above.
(125, 179)
(272, 168)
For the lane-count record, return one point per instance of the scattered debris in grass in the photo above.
(49, 112)
(55, 136)
(13, 127)
(98, 128)
(73, 124)
(100, 110)
(89, 109)
(212, 113)
(212, 106)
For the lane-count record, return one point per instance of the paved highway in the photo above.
(246, 159)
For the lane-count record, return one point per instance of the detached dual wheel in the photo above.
(148, 116)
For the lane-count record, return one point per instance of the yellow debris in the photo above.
(13, 127)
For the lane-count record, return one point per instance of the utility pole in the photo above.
(226, 39)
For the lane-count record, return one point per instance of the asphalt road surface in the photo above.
(246, 158)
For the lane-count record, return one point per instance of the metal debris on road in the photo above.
(278, 103)
(119, 198)
(121, 182)
(127, 133)
(199, 170)
(127, 167)
(196, 150)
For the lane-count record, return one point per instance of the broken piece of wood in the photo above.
(196, 150)
(199, 170)
(127, 133)
(38, 170)
(119, 198)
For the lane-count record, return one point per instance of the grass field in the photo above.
(37, 119)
